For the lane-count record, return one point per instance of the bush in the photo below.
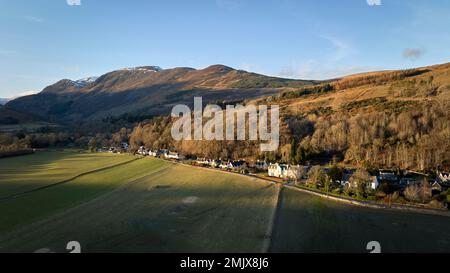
(380, 194)
(372, 198)
(437, 204)
(337, 191)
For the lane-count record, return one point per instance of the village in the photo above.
(393, 186)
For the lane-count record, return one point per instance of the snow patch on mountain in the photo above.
(80, 83)
(144, 69)
(85, 81)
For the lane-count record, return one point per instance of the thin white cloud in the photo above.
(374, 2)
(228, 4)
(34, 19)
(315, 70)
(74, 2)
(342, 48)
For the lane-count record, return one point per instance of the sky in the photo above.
(43, 41)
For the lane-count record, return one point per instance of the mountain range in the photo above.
(146, 90)
(385, 118)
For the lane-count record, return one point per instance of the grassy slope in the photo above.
(180, 209)
(389, 90)
(310, 224)
(20, 174)
(38, 205)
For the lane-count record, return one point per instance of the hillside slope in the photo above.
(146, 90)
(395, 119)
(10, 117)
(391, 119)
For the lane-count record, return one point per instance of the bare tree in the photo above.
(412, 192)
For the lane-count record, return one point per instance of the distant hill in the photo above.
(3, 101)
(14, 121)
(147, 90)
(9, 117)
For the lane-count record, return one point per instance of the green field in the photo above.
(37, 205)
(308, 223)
(25, 173)
(121, 203)
(160, 207)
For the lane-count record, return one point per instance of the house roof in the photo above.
(237, 163)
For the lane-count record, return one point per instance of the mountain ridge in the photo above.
(147, 90)
(150, 90)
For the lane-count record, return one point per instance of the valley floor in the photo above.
(119, 203)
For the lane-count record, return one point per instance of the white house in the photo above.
(375, 183)
(215, 163)
(444, 177)
(143, 151)
(173, 155)
(276, 170)
(124, 145)
(284, 171)
(203, 161)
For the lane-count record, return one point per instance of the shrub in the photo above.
(437, 204)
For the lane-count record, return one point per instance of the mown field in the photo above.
(160, 207)
(43, 202)
(308, 223)
(25, 173)
(122, 203)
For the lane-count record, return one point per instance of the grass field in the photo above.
(150, 205)
(25, 173)
(39, 204)
(307, 223)
(175, 210)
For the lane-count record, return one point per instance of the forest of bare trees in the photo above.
(414, 139)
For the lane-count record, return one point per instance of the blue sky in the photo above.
(43, 41)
